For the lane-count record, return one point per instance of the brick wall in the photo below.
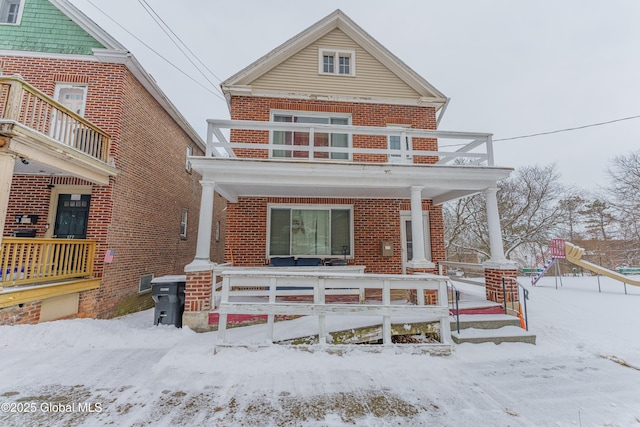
(21, 315)
(198, 291)
(138, 214)
(362, 114)
(493, 285)
(374, 221)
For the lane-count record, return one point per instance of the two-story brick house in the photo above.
(333, 153)
(96, 193)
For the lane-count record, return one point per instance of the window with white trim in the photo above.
(400, 143)
(336, 140)
(187, 165)
(11, 11)
(337, 62)
(183, 224)
(319, 231)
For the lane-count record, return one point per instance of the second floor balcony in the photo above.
(319, 142)
(49, 136)
(278, 159)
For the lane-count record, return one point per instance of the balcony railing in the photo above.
(22, 103)
(344, 143)
(26, 261)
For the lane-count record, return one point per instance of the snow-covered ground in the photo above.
(584, 371)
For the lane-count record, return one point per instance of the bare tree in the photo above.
(624, 188)
(599, 219)
(571, 204)
(528, 202)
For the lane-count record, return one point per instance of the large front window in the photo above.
(293, 139)
(298, 231)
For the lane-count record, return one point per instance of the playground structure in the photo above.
(560, 249)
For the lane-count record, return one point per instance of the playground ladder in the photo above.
(556, 250)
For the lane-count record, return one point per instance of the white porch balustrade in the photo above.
(265, 292)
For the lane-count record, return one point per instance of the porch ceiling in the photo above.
(47, 156)
(238, 177)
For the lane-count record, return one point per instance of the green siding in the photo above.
(44, 28)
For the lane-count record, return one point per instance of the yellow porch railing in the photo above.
(24, 104)
(26, 261)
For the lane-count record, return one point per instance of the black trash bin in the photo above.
(168, 294)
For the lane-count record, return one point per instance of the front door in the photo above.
(72, 216)
(406, 237)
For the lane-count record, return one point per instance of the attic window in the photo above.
(11, 11)
(337, 62)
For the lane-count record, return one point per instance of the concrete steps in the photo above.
(495, 328)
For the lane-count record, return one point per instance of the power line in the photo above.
(157, 53)
(553, 131)
(567, 129)
(164, 27)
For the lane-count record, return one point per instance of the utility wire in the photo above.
(567, 129)
(156, 52)
(554, 131)
(164, 27)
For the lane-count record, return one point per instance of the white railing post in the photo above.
(322, 321)
(490, 160)
(273, 282)
(386, 320)
(224, 298)
(311, 143)
(443, 301)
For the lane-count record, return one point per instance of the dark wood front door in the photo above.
(72, 216)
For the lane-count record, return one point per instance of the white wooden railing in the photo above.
(261, 292)
(23, 103)
(254, 139)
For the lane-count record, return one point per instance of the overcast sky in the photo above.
(510, 67)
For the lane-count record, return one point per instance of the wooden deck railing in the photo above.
(26, 261)
(261, 292)
(24, 104)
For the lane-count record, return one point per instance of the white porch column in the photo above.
(493, 222)
(419, 260)
(203, 245)
(7, 162)
(417, 229)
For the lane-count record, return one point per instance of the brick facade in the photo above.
(138, 214)
(374, 220)
(493, 285)
(362, 114)
(198, 291)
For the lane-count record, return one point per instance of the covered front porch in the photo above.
(377, 186)
(49, 154)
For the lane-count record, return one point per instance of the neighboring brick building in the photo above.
(333, 154)
(138, 200)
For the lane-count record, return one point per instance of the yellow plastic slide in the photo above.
(574, 255)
